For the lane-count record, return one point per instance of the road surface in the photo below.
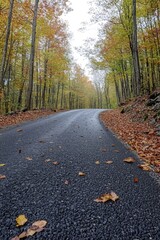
(43, 190)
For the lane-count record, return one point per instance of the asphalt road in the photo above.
(57, 194)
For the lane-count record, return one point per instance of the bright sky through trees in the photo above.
(81, 28)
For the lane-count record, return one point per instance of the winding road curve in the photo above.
(41, 190)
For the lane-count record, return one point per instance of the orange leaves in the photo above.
(107, 197)
(36, 227)
(145, 167)
(129, 160)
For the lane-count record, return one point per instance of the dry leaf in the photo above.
(23, 235)
(129, 160)
(109, 162)
(15, 238)
(48, 160)
(113, 145)
(66, 182)
(29, 158)
(21, 220)
(41, 141)
(81, 174)
(144, 167)
(136, 180)
(117, 151)
(97, 162)
(39, 224)
(2, 176)
(2, 164)
(106, 197)
(19, 130)
(103, 150)
(55, 163)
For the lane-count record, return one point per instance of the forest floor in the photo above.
(138, 124)
(16, 118)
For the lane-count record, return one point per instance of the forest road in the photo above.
(43, 159)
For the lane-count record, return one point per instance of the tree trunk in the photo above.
(32, 54)
(4, 55)
(136, 66)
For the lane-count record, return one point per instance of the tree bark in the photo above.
(32, 54)
(4, 55)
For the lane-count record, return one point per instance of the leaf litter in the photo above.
(107, 197)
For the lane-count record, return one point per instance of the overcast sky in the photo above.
(77, 19)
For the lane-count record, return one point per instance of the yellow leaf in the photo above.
(2, 164)
(81, 174)
(129, 160)
(21, 220)
(106, 197)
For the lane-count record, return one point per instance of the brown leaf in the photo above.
(21, 220)
(117, 151)
(23, 235)
(109, 162)
(129, 160)
(40, 223)
(136, 180)
(29, 158)
(106, 197)
(144, 167)
(55, 163)
(2, 176)
(81, 174)
(15, 238)
(19, 130)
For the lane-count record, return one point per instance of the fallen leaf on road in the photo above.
(117, 151)
(113, 145)
(103, 150)
(2, 164)
(97, 162)
(129, 160)
(136, 180)
(81, 174)
(66, 182)
(41, 141)
(29, 158)
(48, 160)
(19, 130)
(109, 162)
(55, 163)
(36, 227)
(106, 197)
(2, 176)
(21, 220)
(145, 167)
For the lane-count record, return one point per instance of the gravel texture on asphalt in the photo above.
(76, 140)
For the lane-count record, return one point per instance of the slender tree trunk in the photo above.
(136, 65)
(32, 54)
(4, 55)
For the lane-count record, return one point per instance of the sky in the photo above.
(76, 20)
